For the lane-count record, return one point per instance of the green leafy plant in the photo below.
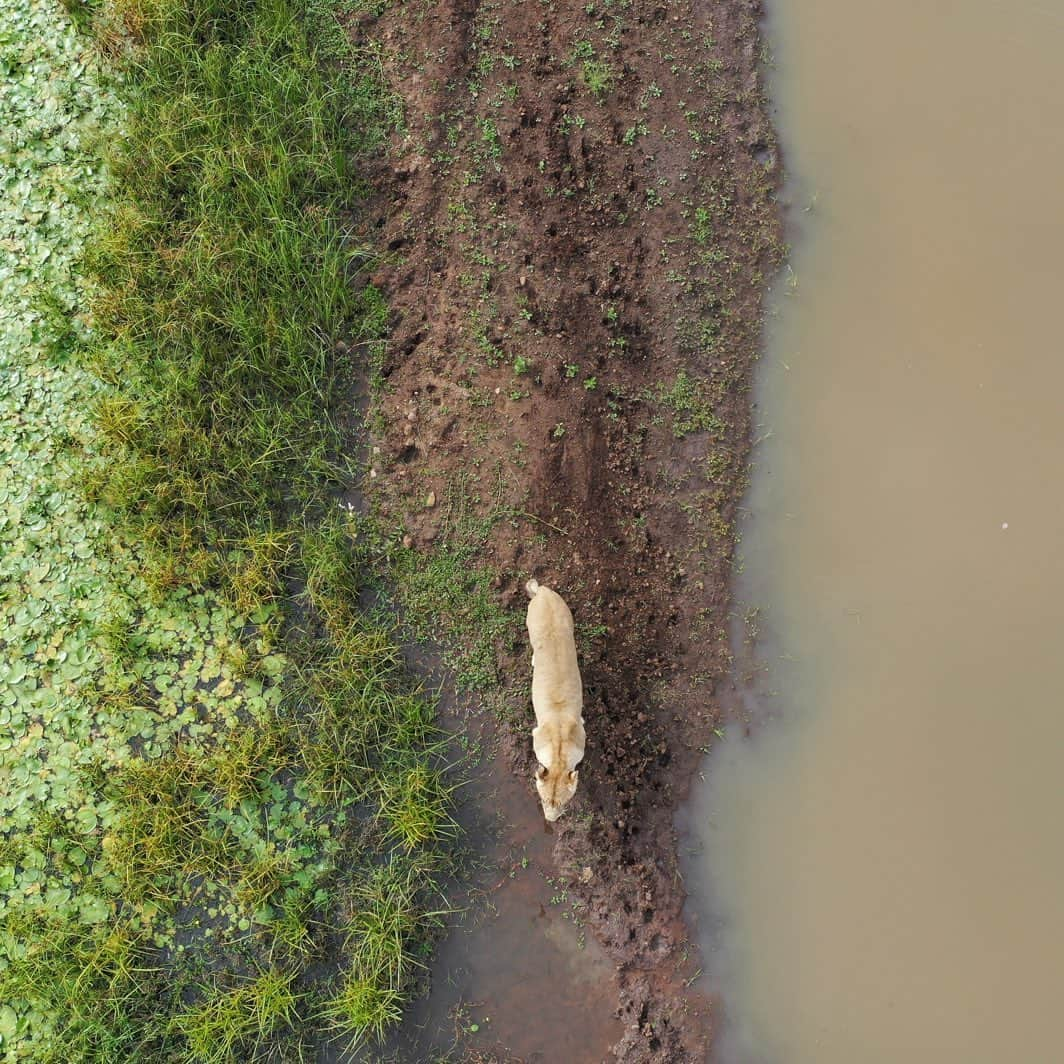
(203, 709)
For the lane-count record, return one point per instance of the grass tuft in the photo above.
(362, 1007)
(243, 1018)
(414, 804)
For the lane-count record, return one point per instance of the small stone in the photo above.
(373, 474)
(376, 450)
(522, 280)
(412, 416)
(408, 541)
(586, 874)
(430, 499)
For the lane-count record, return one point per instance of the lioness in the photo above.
(557, 697)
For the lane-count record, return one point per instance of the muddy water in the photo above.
(515, 949)
(882, 851)
(517, 978)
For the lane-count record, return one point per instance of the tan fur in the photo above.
(557, 697)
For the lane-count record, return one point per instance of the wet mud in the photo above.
(580, 214)
(519, 977)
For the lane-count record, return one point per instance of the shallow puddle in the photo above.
(518, 976)
(882, 853)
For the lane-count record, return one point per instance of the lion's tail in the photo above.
(532, 587)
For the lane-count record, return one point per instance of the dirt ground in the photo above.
(581, 217)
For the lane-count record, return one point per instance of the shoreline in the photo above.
(581, 217)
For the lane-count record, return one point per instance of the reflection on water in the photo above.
(884, 858)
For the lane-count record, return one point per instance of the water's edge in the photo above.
(872, 856)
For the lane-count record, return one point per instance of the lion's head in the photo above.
(556, 788)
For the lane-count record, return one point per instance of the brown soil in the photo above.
(582, 215)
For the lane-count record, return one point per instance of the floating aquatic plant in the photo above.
(173, 812)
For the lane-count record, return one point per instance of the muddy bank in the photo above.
(580, 218)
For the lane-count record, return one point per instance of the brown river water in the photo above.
(876, 858)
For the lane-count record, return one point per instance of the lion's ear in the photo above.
(542, 772)
(573, 776)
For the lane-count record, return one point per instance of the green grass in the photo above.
(688, 401)
(447, 591)
(598, 76)
(226, 279)
(362, 1006)
(97, 981)
(303, 802)
(243, 1017)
